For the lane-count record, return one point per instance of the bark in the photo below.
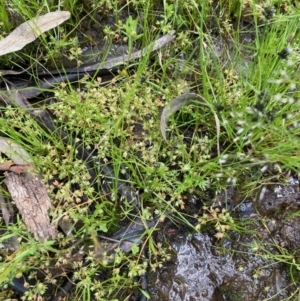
(33, 203)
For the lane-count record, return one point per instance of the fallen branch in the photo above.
(27, 191)
(33, 203)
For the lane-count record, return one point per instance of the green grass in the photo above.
(105, 117)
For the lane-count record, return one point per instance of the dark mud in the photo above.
(254, 264)
(198, 274)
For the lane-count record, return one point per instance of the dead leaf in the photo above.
(11, 72)
(126, 58)
(175, 105)
(16, 168)
(31, 30)
(14, 151)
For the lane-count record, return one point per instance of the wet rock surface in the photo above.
(275, 198)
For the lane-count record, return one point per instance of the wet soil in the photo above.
(249, 265)
(198, 274)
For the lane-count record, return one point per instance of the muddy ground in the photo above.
(244, 266)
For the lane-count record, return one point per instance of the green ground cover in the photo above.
(252, 88)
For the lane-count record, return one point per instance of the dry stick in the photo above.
(32, 200)
(17, 97)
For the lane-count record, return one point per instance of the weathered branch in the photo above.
(33, 202)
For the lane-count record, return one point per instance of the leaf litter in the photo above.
(31, 30)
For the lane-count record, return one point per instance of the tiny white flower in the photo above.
(278, 81)
(264, 168)
(292, 87)
(241, 122)
(283, 74)
(277, 97)
(240, 131)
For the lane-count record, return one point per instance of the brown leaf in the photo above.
(14, 151)
(31, 30)
(16, 168)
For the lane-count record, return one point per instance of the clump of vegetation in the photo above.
(220, 218)
(252, 88)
